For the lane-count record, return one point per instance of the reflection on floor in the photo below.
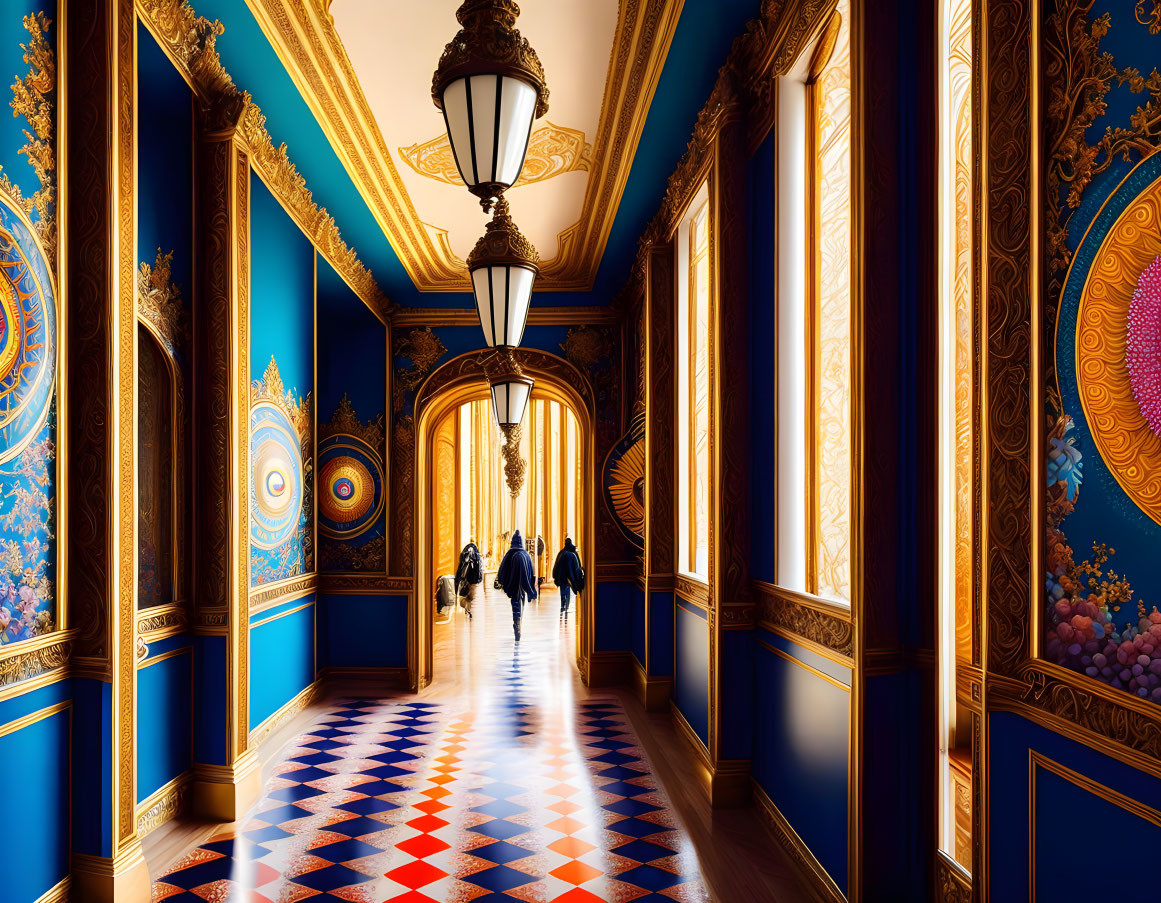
(497, 784)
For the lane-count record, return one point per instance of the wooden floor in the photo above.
(731, 849)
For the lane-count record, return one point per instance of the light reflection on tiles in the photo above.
(511, 788)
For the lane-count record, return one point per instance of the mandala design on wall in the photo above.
(624, 482)
(351, 494)
(1110, 344)
(1143, 345)
(281, 492)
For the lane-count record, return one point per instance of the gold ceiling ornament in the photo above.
(490, 86)
(159, 300)
(503, 242)
(552, 151)
(515, 467)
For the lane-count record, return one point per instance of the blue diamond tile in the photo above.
(643, 850)
(633, 827)
(650, 877)
(500, 790)
(500, 878)
(357, 827)
(345, 851)
(368, 806)
(267, 834)
(499, 809)
(500, 829)
(389, 758)
(614, 758)
(623, 788)
(306, 775)
(314, 758)
(202, 873)
(331, 878)
(283, 814)
(294, 793)
(378, 788)
(630, 807)
(501, 852)
(621, 773)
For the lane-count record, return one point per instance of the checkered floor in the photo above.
(518, 792)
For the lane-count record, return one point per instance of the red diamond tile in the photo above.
(416, 874)
(421, 846)
(426, 823)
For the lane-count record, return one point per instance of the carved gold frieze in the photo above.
(163, 806)
(552, 151)
(190, 40)
(159, 300)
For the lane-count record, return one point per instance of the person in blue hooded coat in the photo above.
(568, 574)
(515, 579)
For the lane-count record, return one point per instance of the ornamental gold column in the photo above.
(101, 295)
(226, 776)
(660, 326)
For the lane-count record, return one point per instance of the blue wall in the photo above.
(34, 806)
(612, 615)
(801, 744)
(164, 737)
(362, 631)
(282, 656)
(637, 625)
(691, 665)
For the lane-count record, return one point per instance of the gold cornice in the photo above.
(304, 37)
(189, 41)
(537, 316)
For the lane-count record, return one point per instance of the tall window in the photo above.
(814, 448)
(693, 355)
(956, 425)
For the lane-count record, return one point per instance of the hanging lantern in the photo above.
(490, 86)
(503, 266)
(509, 399)
(510, 388)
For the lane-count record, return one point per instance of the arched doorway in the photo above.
(458, 382)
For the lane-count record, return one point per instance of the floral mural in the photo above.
(27, 540)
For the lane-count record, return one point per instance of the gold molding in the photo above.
(164, 656)
(303, 36)
(161, 621)
(188, 39)
(19, 724)
(270, 594)
(254, 625)
(821, 886)
(164, 804)
(797, 661)
(34, 660)
(289, 710)
(59, 893)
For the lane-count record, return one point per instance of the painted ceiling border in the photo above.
(188, 40)
(303, 36)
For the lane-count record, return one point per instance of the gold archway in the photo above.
(457, 382)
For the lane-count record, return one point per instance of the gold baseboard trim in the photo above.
(654, 692)
(284, 714)
(97, 879)
(821, 886)
(609, 669)
(59, 893)
(730, 784)
(164, 804)
(224, 792)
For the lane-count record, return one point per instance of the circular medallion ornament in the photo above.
(27, 336)
(351, 476)
(1117, 362)
(276, 486)
(624, 483)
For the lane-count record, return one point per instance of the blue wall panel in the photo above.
(801, 746)
(92, 772)
(363, 631)
(281, 658)
(1067, 868)
(637, 628)
(612, 615)
(163, 721)
(211, 695)
(737, 693)
(691, 666)
(35, 804)
(661, 634)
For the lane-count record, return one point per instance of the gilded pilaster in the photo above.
(224, 788)
(102, 298)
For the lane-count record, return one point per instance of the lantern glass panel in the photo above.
(489, 121)
(503, 295)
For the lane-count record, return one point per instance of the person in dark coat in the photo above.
(568, 574)
(468, 574)
(515, 579)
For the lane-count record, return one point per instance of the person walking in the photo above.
(515, 579)
(468, 574)
(568, 574)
